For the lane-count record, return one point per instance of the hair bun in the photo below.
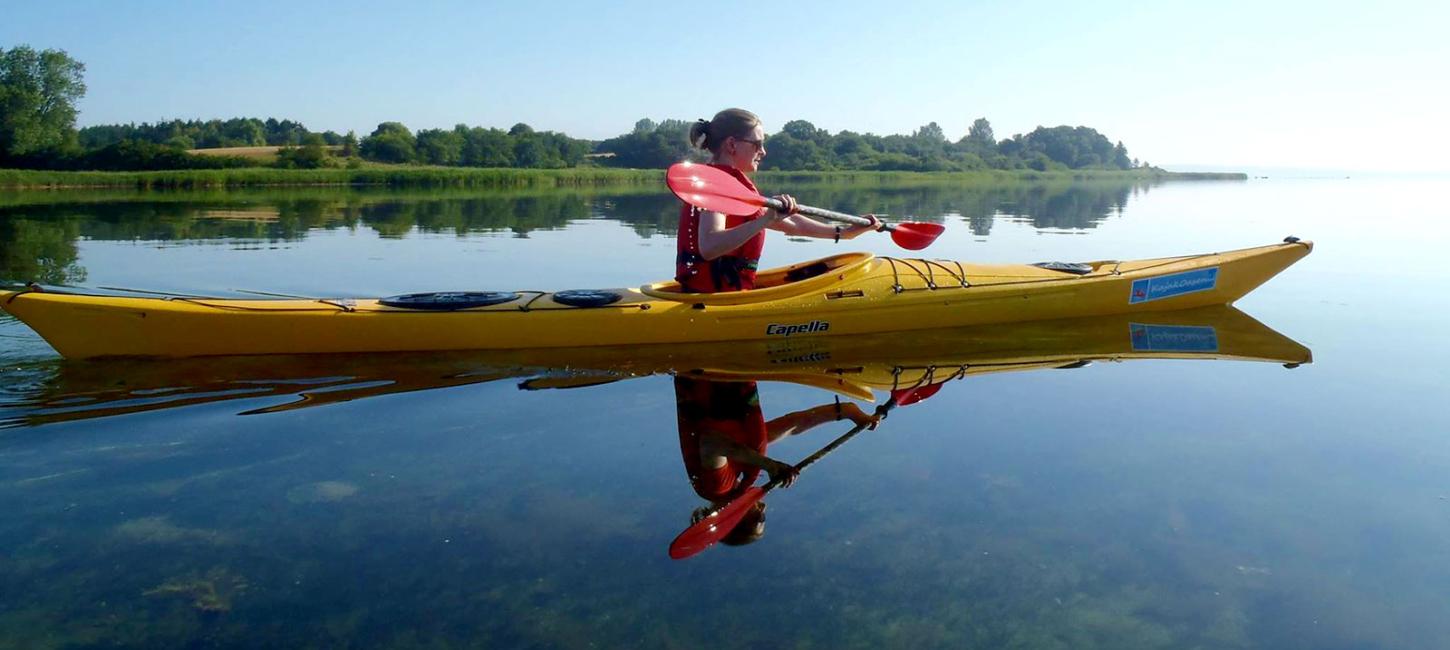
(700, 134)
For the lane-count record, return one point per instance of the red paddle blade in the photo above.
(708, 188)
(914, 236)
(713, 528)
(913, 395)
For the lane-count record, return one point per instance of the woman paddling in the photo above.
(719, 252)
(723, 435)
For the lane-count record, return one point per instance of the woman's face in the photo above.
(745, 153)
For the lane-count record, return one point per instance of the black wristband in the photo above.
(838, 234)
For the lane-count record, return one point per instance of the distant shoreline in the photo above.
(423, 176)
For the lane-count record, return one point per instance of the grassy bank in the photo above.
(416, 176)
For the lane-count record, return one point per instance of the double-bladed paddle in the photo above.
(716, 525)
(708, 188)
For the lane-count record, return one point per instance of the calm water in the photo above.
(472, 500)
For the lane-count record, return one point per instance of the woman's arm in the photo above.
(803, 226)
(715, 448)
(717, 240)
(800, 422)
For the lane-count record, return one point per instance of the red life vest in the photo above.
(724, 408)
(733, 271)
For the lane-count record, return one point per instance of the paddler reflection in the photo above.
(723, 440)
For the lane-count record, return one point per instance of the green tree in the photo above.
(1120, 156)
(439, 147)
(931, 133)
(38, 92)
(243, 132)
(852, 151)
(486, 147)
(311, 155)
(929, 146)
(349, 145)
(1065, 146)
(980, 140)
(791, 153)
(981, 132)
(650, 145)
(283, 132)
(806, 132)
(391, 142)
(528, 152)
(565, 151)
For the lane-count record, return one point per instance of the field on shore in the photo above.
(265, 155)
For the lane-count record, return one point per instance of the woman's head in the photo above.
(749, 530)
(733, 138)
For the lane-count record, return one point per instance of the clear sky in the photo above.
(1324, 84)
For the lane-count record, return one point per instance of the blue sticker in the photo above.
(1177, 284)
(1173, 338)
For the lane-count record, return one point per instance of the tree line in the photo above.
(39, 89)
(205, 134)
(800, 145)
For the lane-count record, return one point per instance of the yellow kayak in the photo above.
(848, 294)
(856, 367)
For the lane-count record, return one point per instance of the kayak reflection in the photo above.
(723, 441)
(853, 367)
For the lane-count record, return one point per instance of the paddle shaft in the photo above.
(828, 214)
(821, 453)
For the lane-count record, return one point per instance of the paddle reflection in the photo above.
(724, 439)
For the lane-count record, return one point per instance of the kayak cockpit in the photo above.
(774, 284)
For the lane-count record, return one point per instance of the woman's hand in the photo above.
(786, 474)
(851, 232)
(790, 207)
(859, 417)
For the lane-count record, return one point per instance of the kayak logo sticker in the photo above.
(1173, 338)
(1177, 284)
(776, 329)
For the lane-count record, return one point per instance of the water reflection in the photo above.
(190, 523)
(724, 440)
(39, 231)
(856, 367)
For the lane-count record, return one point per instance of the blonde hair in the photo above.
(729, 123)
